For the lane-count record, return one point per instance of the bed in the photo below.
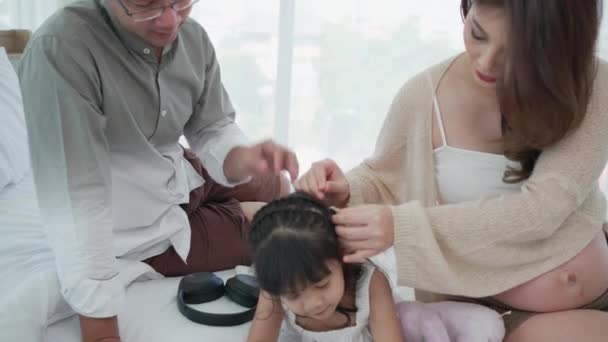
(152, 316)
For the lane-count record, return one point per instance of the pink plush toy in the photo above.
(450, 322)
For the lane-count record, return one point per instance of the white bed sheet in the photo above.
(151, 315)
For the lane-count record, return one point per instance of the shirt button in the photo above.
(163, 113)
(147, 51)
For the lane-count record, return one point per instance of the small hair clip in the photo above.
(506, 313)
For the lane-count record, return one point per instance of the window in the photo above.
(245, 35)
(316, 75)
(348, 59)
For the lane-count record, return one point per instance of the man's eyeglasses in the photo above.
(142, 12)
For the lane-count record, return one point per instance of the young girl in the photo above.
(304, 283)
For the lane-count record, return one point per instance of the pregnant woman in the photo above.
(485, 174)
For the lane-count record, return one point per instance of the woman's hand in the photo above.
(364, 231)
(325, 181)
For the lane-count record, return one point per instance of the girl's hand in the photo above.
(364, 231)
(325, 181)
(266, 324)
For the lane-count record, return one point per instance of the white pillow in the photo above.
(14, 154)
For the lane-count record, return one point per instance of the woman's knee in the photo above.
(566, 326)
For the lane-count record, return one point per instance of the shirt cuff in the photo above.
(96, 298)
(213, 159)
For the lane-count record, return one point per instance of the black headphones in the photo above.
(205, 287)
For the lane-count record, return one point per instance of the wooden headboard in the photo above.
(14, 41)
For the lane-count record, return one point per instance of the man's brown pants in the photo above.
(219, 226)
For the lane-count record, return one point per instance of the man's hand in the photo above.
(261, 159)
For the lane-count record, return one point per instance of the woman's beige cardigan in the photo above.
(483, 247)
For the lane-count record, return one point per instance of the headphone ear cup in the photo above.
(201, 287)
(243, 289)
(206, 287)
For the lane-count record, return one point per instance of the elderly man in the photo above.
(109, 87)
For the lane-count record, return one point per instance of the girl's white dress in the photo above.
(360, 332)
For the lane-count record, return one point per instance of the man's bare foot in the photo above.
(250, 208)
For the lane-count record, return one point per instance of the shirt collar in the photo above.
(132, 41)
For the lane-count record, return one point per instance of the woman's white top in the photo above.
(467, 175)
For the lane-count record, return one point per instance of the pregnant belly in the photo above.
(578, 282)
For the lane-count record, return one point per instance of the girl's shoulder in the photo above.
(369, 274)
(367, 270)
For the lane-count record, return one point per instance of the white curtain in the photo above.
(27, 14)
(336, 64)
(317, 75)
(349, 58)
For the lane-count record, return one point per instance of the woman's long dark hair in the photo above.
(291, 241)
(549, 73)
